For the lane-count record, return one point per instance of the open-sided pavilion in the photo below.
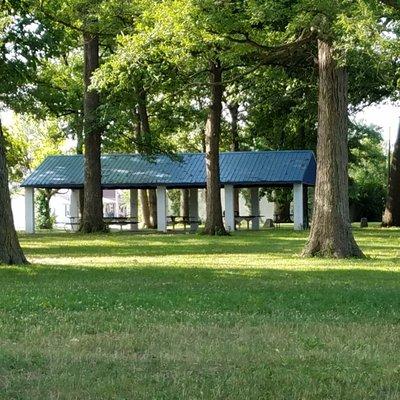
(251, 169)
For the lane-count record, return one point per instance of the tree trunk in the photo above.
(214, 223)
(145, 138)
(144, 200)
(79, 150)
(10, 249)
(331, 234)
(234, 111)
(391, 216)
(43, 208)
(153, 208)
(282, 211)
(184, 203)
(150, 207)
(92, 219)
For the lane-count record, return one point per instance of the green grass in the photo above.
(125, 316)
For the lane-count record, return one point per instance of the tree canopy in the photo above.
(177, 75)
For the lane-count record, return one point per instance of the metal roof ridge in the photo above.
(184, 153)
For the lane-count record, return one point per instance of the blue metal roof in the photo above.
(250, 168)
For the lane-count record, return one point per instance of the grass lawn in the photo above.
(125, 316)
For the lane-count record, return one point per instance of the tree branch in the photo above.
(392, 3)
(280, 55)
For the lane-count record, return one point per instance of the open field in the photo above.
(125, 316)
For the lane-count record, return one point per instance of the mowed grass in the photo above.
(127, 316)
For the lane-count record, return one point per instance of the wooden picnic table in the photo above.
(121, 221)
(277, 220)
(247, 218)
(180, 219)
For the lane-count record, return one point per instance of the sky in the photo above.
(385, 116)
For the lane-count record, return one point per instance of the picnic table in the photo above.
(180, 219)
(74, 222)
(247, 218)
(121, 221)
(278, 221)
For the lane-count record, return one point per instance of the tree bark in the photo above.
(331, 233)
(144, 200)
(282, 211)
(92, 219)
(234, 111)
(43, 208)
(150, 208)
(214, 224)
(153, 208)
(391, 216)
(184, 203)
(143, 115)
(79, 150)
(10, 249)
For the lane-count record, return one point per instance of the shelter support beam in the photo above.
(298, 206)
(133, 206)
(194, 209)
(29, 210)
(229, 208)
(161, 192)
(255, 208)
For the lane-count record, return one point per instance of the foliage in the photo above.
(44, 218)
(174, 201)
(17, 155)
(34, 140)
(367, 172)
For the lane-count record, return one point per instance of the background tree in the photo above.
(391, 216)
(367, 172)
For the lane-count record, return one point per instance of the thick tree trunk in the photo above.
(92, 219)
(10, 250)
(331, 234)
(391, 216)
(214, 223)
(144, 200)
(184, 203)
(234, 111)
(282, 211)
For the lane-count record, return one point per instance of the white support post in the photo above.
(116, 204)
(255, 208)
(161, 192)
(193, 209)
(298, 207)
(133, 203)
(29, 210)
(229, 208)
(74, 209)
